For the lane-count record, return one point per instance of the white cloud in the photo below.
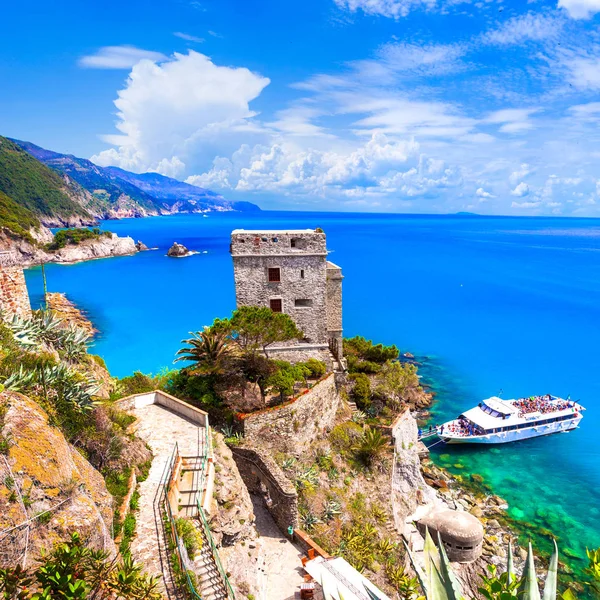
(178, 110)
(393, 8)
(188, 38)
(580, 9)
(584, 72)
(523, 28)
(379, 167)
(521, 190)
(118, 57)
(526, 204)
(481, 193)
(512, 120)
(520, 173)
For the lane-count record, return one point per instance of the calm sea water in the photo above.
(509, 304)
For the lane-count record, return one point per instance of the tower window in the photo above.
(293, 243)
(274, 274)
(302, 302)
(301, 273)
(276, 305)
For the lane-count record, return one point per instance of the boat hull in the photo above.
(517, 435)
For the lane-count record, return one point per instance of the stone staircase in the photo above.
(210, 581)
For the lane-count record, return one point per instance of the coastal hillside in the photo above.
(34, 194)
(117, 193)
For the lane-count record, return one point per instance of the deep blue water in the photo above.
(509, 304)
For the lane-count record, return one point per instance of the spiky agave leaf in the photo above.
(551, 578)
(417, 569)
(451, 583)
(510, 568)
(529, 589)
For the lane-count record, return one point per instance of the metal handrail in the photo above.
(215, 553)
(165, 479)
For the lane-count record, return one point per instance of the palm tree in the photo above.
(207, 349)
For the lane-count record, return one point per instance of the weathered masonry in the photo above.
(288, 271)
(14, 298)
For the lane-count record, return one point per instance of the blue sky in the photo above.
(377, 105)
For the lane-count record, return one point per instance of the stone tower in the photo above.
(288, 271)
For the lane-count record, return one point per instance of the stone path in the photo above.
(280, 567)
(160, 428)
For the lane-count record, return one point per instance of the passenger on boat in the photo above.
(541, 404)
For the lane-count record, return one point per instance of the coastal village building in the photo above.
(288, 271)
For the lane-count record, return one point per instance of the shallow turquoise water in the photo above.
(508, 304)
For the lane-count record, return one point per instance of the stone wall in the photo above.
(263, 477)
(293, 427)
(295, 353)
(14, 298)
(334, 307)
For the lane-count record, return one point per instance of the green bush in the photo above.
(359, 350)
(317, 368)
(361, 392)
(74, 236)
(192, 539)
(345, 435)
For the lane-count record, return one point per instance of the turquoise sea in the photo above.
(491, 304)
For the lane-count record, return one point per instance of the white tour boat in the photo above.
(497, 421)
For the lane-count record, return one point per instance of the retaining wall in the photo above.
(262, 476)
(195, 415)
(293, 426)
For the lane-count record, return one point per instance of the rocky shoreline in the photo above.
(21, 252)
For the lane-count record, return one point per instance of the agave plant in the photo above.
(331, 509)
(17, 380)
(359, 416)
(438, 582)
(308, 478)
(288, 463)
(308, 520)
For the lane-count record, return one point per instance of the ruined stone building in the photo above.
(288, 271)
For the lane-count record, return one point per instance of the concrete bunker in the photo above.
(461, 533)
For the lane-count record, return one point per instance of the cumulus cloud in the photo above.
(118, 57)
(483, 195)
(178, 109)
(521, 190)
(580, 9)
(379, 166)
(520, 173)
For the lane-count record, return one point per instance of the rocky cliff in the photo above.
(24, 253)
(47, 488)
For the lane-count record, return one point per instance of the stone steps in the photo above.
(210, 582)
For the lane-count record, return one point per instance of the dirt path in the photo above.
(280, 571)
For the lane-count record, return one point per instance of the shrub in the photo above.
(361, 391)
(345, 435)
(316, 367)
(192, 539)
(75, 236)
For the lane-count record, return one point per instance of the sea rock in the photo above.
(43, 468)
(178, 250)
(141, 247)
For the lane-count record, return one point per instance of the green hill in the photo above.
(15, 217)
(33, 186)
